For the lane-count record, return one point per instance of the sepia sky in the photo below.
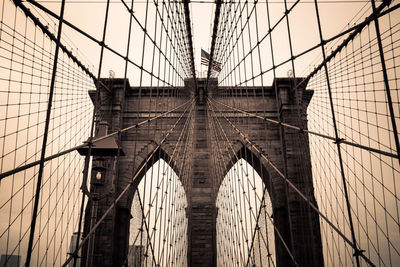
(88, 16)
(359, 100)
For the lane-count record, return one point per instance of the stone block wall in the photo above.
(287, 149)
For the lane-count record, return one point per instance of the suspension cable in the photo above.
(137, 125)
(125, 190)
(305, 198)
(301, 129)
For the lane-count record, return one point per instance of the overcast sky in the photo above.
(359, 121)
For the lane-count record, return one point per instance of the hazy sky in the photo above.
(89, 16)
(372, 178)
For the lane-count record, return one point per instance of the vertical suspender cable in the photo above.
(385, 77)
(89, 256)
(281, 129)
(45, 135)
(218, 4)
(189, 36)
(346, 194)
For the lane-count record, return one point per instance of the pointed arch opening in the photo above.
(245, 231)
(158, 227)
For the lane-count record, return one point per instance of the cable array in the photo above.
(351, 118)
(27, 56)
(29, 47)
(311, 159)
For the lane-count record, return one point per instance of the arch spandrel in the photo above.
(246, 153)
(282, 149)
(255, 209)
(273, 182)
(275, 187)
(138, 167)
(159, 192)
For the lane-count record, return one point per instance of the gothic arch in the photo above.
(254, 160)
(280, 212)
(161, 191)
(202, 183)
(150, 160)
(138, 169)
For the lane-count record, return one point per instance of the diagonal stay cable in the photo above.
(300, 129)
(257, 227)
(44, 141)
(45, 29)
(159, 213)
(147, 230)
(386, 78)
(52, 37)
(224, 170)
(357, 27)
(304, 197)
(220, 170)
(237, 160)
(237, 217)
(276, 229)
(117, 199)
(172, 157)
(129, 10)
(159, 186)
(255, 216)
(137, 125)
(355, 31)
(36, 4)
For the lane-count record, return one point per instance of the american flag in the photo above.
(205, 60)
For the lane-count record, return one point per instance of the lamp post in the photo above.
(101, 151)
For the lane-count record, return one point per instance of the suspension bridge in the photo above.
(284, 151)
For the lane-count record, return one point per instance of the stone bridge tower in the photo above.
(121, 106)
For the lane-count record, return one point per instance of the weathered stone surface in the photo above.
(121, 107)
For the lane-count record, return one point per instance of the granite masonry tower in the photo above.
(123, 105)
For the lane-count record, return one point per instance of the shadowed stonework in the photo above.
(295, 221)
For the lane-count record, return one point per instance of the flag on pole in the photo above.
(205, 60)
(205, 57)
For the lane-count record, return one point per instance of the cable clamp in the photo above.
(358, 252)
(89, 141)
(74, 255)
(339, 141)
